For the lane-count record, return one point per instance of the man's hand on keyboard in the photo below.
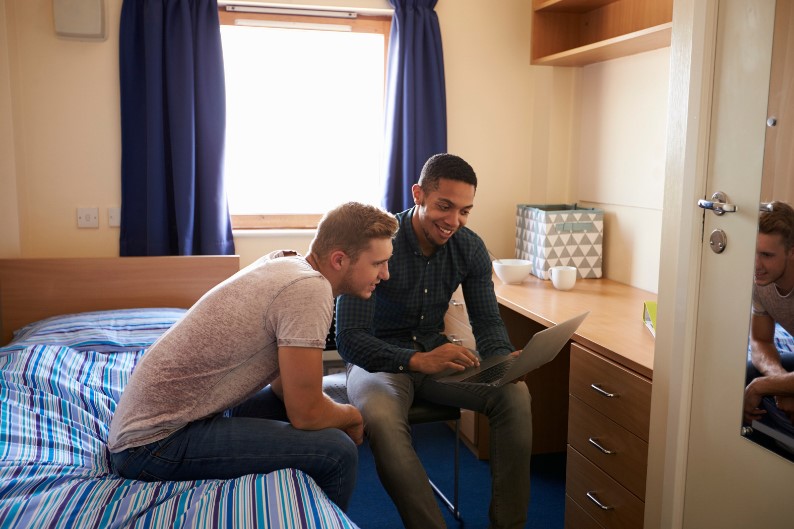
(442, 358)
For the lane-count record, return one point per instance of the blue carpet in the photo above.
(371, 507)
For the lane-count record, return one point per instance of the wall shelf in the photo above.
(581, 32)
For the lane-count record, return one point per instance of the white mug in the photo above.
(563, 277)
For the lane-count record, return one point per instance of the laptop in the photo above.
(499, 370)
(783, 439)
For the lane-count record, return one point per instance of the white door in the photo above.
(702, 473)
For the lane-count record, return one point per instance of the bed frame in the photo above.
(33, 289)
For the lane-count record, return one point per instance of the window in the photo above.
(304, 125)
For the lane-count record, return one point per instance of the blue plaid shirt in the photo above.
(406, 313)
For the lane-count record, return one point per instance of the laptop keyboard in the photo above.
(492, 374)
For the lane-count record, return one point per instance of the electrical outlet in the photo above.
(87, 217)
(114, 217)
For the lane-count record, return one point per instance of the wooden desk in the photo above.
(614, 327)
(612, 351)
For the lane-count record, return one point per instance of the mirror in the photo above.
(771, 345)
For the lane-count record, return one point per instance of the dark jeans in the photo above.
(253, 438)
(786, 358)
(384, 400)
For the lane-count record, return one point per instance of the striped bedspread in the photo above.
(55, 407)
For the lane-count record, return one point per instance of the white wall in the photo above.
(621, 160)
(64, 100)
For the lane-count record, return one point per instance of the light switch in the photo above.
(114, 217)
(87, 217)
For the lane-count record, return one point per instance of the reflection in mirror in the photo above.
(768, 414)
(769, 394)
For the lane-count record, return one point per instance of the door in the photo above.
(724, 470)
(702, 472)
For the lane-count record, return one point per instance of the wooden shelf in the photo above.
(569, 5)
(581, 32)
(637, 42)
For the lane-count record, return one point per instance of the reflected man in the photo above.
(770, 391)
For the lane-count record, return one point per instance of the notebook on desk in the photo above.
(497, 371)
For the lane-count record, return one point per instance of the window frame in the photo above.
(380, 24)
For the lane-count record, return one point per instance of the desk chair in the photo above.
(421, 411)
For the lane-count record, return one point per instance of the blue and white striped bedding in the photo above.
(103, 331)
(56, 401)
(784, 342)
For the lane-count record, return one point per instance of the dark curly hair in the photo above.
(447, 166)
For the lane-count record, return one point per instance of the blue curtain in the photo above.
(173, 120)
(416, 105)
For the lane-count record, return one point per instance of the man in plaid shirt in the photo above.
(394, 344)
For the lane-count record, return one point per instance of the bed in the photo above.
(81, 325)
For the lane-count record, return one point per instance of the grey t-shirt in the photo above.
(767, 300)
(224, 350)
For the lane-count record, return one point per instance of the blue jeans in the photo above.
(384, 399)
(786, 360)
(253, 438)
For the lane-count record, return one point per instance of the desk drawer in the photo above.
(613, 390)
(454, 328)
(586, 484)
(457, 307)
(473, 426)
(628, 459)
(577, 518)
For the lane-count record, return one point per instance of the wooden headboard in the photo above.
(33, 289)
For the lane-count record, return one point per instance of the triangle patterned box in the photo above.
(560, 235)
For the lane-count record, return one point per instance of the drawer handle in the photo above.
(455, 303)
(603, 391)
(593, 441)
(592, 497)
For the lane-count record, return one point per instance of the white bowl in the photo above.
(512, 271)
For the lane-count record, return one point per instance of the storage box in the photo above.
(560, 235)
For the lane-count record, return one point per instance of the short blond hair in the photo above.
(350, 227)
(778, 218)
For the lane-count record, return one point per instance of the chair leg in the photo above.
(456, 512)
(452, 506)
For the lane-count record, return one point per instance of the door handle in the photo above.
(718, 204)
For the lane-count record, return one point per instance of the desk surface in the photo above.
(614, 327)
